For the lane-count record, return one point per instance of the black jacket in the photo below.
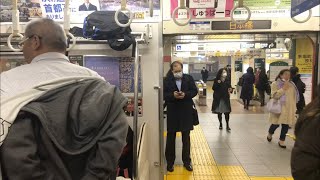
(179, 112)
(221, 92)
(247, 86)
(301, 86)
(76, 132)
(305, 157)
(263, 82)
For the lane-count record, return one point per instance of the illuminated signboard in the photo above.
(250, 25)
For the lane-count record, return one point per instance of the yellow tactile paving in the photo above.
(235, 178)
(205, 171)
(178, 134)
(207, 178)
(232, 171)
(268, 178)
(204, 166)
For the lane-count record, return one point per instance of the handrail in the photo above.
(136, 111)
(182, 6)
(303, 21)
(123, 8)
(240, 5)
(15, 25)
(66, 24)
(151, 8)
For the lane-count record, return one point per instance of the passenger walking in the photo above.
(204, 74)
(305, 157)
(221, 97)
(301, 86)
(179, 89)
(262, 85)
(286, 92)
(61, 121)
(247, 87)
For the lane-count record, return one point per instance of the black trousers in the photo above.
(171, 147)
(262, 96)
(284, 130)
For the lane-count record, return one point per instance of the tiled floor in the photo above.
(244, 153)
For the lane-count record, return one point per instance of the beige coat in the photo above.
(288, 110)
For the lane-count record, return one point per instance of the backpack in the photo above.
(100, 25)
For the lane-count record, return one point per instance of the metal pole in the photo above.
(136, 113)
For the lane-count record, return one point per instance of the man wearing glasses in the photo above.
(58, 120)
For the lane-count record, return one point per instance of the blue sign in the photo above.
(178, 47)
(300, 6)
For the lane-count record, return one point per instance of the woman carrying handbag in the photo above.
(284, 97)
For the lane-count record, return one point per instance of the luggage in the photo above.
(100, 25)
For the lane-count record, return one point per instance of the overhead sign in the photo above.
(203, 3)
(300, 6)
(250, 25)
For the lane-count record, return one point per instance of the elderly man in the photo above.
(58, 120)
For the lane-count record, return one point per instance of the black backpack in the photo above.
(100, 25)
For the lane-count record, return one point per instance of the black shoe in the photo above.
(228, 128)
(269, 139)
(282, 146)
(170, 168)
(188, 167)
(220, 127)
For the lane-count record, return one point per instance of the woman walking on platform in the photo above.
(286, 92)
(221, 97)
(247, 87)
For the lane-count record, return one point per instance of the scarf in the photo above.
(283, 97)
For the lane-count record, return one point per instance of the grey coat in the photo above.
(74, 132)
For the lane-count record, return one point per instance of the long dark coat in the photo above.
(179, 112)
(263, 82)
(247, 86)
(220, 93)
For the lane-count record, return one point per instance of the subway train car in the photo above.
(136, 45)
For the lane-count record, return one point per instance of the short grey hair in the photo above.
(51, 33)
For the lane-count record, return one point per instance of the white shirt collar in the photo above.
(50, 56)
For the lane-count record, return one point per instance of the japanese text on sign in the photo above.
(53, 9)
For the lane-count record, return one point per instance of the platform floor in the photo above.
(242, 154)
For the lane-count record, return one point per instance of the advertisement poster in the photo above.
(276, 67)
(259, 63)
(300, 6)
(129, 109)
(307, 79)
(205, 9)
(119, 71)
(238, 65)
(76, 59)
(28, 9)
(304, 56)
(7, 64)
(107, 67)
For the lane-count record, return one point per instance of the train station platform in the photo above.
(242, 154)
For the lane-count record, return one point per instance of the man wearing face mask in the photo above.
(179, 89)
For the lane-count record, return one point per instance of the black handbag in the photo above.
(195, 115)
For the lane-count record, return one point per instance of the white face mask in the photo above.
(224, 75)
(178, 75)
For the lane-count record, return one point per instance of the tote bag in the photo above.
(274, 106)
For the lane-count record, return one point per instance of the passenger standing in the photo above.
(305, 157)
(284, 90)
(239, 74)
(204, 74)
(179, 89)
(262, 85)
(301, 86)
(247, 87)
(221, 97)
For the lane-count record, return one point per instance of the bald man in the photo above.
(44, 47)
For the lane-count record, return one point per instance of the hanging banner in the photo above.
(207, 9)
(300, 6)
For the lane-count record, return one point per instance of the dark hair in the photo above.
(169, 73)
(294, 71)
(281, 73)
(262, 72)
(250, 70)
(219, 74)
(310, 112)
